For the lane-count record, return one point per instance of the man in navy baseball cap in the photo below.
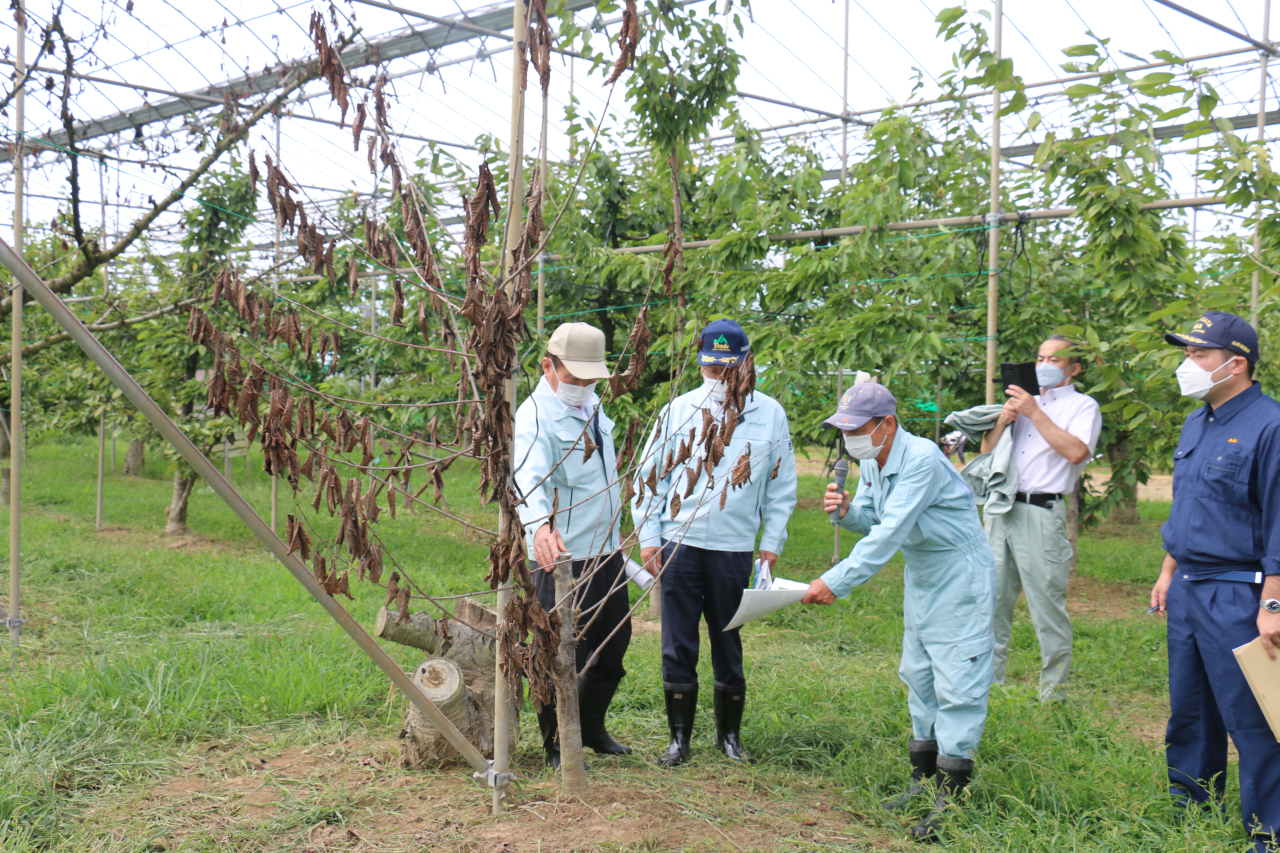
(723, 342)
(1218, 330)
(1219, 583)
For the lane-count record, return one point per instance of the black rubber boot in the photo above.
(594, 698)
(924, 765)
(728, 709)
(549, 725)
(682, 705)
(953, 775)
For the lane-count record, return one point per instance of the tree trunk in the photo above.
(176, 512)
(1118, 454)
(135, 458)
(183, 486)
(573, 769)
(468, 650)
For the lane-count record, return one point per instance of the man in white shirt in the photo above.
(1054, 435)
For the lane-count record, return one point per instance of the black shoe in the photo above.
(728, 710)
(924, 765)
(594, 698)
(953, 775)
(682, 705)
(549, 725)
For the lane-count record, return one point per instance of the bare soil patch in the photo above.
(353, 796)
(1094, 599)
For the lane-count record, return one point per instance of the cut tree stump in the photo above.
(458, 678)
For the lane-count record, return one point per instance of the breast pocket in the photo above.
(574, 470)
(1226, 476)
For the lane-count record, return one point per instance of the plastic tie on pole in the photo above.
(14, 622)
(490, 778)
(993, 220)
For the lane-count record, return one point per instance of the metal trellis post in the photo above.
(15, 346)
(275, 292)
(502, 710)
(835, 528)
(542, 256)
(844, 130)
(1257, 205)
(993, 221)
(102, 464)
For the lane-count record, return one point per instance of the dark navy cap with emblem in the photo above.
(722, 342)
(1219, 330)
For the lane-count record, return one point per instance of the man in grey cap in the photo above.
(910, 499)
(563, 447)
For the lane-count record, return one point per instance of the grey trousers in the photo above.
(1033, 556)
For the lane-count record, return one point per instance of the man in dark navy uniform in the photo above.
(1220, 582)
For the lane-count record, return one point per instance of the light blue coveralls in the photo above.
(918, 504)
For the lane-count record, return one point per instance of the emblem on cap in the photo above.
(720, 344)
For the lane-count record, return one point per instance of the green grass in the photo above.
(138, 656)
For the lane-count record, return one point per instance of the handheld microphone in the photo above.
(842, 474)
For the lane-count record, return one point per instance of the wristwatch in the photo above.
(1271, 605)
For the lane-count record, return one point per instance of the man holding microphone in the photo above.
(910, 498)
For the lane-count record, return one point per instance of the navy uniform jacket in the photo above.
(1226, 489)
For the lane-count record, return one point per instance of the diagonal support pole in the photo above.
(39, 291)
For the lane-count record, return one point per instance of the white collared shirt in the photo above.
(1040, 467)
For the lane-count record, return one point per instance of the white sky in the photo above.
(793, 51)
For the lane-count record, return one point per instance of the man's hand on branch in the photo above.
(548, 545)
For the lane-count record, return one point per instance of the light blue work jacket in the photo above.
(918, 504)
(548, 432)
(764, 501)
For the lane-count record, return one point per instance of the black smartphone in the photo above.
(1020, 373)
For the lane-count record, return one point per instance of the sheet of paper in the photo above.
(637, 575)
(762, 602)
(1263, 675)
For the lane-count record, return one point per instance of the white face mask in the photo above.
(716, 389)
(861, 447)
(574, 396)
(1049, 375)
(1195, 382)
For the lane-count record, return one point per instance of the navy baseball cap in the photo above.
(1219, 330)
(860, 404)
(722, 342)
